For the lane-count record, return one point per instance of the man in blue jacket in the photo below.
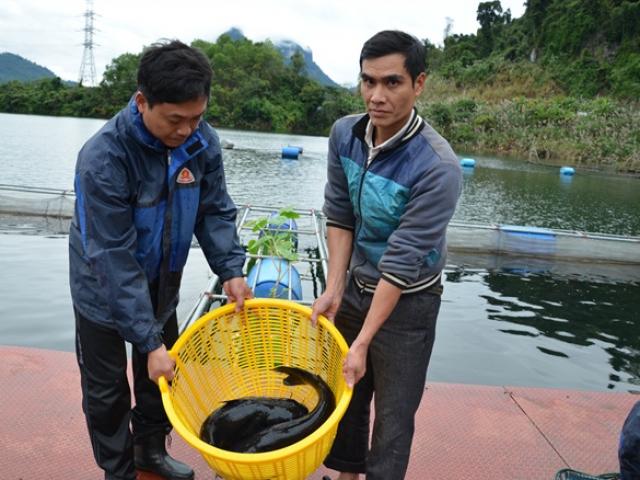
(392, 187)
(145, 183)
(629, 448)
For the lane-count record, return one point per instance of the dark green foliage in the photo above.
(584, 76)
(253, 88)
(433, 54)
(598, 134)
(491, 20)
(119, 82)
(625, 75)
(588, 47)
(46, 97)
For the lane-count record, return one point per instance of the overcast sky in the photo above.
(50, 33)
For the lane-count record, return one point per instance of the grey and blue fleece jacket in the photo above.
(138, 205)
(398, 206)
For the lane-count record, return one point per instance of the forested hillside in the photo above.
(14, 67)
(253, 88)
(581, 47)
(558, 85)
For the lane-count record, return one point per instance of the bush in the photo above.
(625, 76)
(464, 109)
(585, 76)
(440, 115)
(486, 122)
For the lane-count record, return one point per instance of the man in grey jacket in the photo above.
(392, 187)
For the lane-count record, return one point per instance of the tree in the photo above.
(120, 80)
(433, 55)
(491, 19)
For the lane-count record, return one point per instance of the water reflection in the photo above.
(566, 180)
(540, 197)
(564, 315)
(497, 190)
(262, 177)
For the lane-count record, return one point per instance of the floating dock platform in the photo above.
(462, 431)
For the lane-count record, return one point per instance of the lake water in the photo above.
(568, 330)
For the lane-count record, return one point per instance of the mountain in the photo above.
(287, 49)
(14, 67)
(235, 34)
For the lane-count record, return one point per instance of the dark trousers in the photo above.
(397, 363)
(106, 397)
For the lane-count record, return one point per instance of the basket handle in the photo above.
(162, 381)
(163, 385)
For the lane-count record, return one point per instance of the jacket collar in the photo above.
(412, 129)
(139, 131)
(191, 147)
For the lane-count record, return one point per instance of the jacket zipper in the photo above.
(364, 172)
(383, 153)
(166, 241)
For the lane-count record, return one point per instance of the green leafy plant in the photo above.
(275, 239)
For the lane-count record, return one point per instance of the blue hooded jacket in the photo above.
(629, 448)
(138, 205)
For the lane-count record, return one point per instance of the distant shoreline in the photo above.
(598, 134)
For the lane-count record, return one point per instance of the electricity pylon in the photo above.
(88, 67)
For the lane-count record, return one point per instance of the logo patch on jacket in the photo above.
(185, 176)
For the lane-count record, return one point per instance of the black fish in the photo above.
(239, 418)
(286, 433)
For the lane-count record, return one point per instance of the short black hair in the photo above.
(388, 42)
(172, 72)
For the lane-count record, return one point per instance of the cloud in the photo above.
(51, 33)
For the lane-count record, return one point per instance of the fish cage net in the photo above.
(36, 201)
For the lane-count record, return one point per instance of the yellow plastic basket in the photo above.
(226, 355)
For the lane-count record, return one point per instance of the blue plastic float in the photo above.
(291, 153)
(567, 171)
(527, 240)
(269, 278)
(467, 162)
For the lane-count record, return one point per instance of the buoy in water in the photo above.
(567, 171)
(291, 153)
(467, 162)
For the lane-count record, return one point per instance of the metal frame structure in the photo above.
(311, 236)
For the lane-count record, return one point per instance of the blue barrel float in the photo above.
(567, 171)
(291, 153)
(467, 162)
(269, 278)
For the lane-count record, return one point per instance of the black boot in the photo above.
(150, 455)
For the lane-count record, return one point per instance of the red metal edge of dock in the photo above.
(462, 431)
